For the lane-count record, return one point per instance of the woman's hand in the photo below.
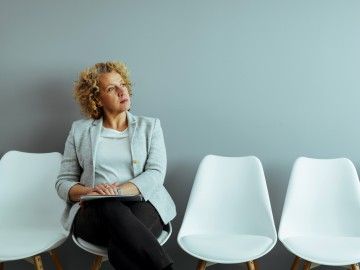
(128, 188)
(106, 189)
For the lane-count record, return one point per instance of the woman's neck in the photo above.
(118, 122)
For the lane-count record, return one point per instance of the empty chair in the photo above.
(228, 218)
(320, 221)
(30, 209)
(102, 252)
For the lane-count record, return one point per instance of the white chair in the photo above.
(102, 252)
(228, 218)
(30, 209)
(320, 221)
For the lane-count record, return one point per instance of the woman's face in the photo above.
(114, 94)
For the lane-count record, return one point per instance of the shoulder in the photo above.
(145, 123)
(82, 123)
(146, 120)
(143, 120)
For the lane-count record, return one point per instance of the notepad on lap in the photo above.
(124, 198)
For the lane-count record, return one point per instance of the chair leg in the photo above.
(251, 265)
(2, 266)
(201, 265)
(97, 263)
(38, 262)
(355, 266)
(296, 263)
(55, 259)
(307, 265)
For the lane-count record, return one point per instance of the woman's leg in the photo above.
(130, 238)
(89, 225)
(127, 229)
(148, 216)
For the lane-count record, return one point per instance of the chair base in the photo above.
(309, 265)
(251, 265)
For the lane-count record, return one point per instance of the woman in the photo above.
(115, 152)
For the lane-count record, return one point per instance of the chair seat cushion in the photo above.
(326, 250)
(226, 248)
(19, 243)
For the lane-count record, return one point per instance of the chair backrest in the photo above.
(229, 195)
(27, 190)
(323, 198)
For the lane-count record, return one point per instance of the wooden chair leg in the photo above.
(251, 265)
(296, 263)
(307, 265)
(201, 265)
(355, 266)
(97, 263)
(2, 266)
(55, 259)
(38, 263)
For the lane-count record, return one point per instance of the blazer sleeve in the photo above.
(70, 170)
(152, 178)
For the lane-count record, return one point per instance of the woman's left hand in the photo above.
(128, 188)
(106, 189)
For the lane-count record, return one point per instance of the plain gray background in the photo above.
(275, 79)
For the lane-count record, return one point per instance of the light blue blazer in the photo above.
(148, 163)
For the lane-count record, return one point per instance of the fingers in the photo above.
(106, 189)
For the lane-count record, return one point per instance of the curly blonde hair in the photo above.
(86, 88)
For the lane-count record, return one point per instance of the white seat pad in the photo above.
(226, 248)
(325, 250)
(21, 243)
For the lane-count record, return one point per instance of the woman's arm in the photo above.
(70, 169)
(128, 188)
(155, 167)
(77, 191)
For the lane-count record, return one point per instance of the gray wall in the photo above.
(275, 79)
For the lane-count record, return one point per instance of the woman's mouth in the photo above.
(123, 101)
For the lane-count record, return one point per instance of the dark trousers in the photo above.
(128, 229)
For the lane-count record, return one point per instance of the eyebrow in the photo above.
(111, 84)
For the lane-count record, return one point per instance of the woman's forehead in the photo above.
(109, 78)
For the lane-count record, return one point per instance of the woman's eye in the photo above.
(111, 89)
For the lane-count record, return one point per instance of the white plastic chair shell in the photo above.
(321, 216)
(30, 209)
(228, 218)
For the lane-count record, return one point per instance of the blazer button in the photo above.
(135, 161)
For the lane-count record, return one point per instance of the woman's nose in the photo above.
(120, 90)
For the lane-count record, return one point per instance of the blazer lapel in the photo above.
(132, 130)
(95, 130)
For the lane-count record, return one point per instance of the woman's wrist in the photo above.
(120, 191)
